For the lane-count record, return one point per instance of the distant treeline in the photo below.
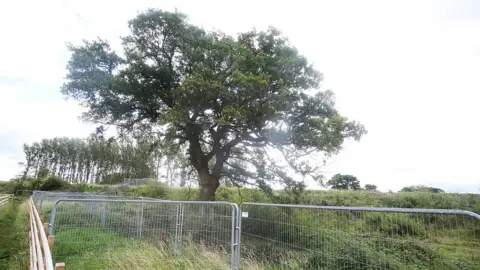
(90, 160)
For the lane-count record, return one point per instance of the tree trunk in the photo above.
(208, 185)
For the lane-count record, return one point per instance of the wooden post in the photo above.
(41, 216)
(60, 266)
(45, 227)
(51, 242)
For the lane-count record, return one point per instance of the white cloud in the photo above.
(25, 119)
(408, 70)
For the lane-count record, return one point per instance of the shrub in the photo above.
(392, 225)
(158, 191)
(347, 253)
(53, 183)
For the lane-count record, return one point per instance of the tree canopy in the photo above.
(370, 187)
(240, 107)
(344, 181)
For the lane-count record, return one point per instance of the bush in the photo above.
(78, 188)
(53, 183)
(47, 184)
(158, 191)
(395, 225)
(224, 194)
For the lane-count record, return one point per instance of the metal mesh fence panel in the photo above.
(88, 232)
(323, 237)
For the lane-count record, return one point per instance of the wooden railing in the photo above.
(41, 246)
(4, 198)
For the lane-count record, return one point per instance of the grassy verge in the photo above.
(14, 253)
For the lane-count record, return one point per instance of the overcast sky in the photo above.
(408, 70)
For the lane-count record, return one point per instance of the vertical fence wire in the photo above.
(316, 237)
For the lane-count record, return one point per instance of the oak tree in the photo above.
(239, 106)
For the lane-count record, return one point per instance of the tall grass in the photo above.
(106, 250)
(14, 227)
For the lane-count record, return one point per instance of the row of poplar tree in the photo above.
(92, 160)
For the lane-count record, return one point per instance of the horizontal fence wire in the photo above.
(323, 237)
(88, 231)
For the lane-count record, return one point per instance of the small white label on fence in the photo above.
(244, 214)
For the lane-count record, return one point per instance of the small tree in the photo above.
(344, 181)
(421, 188)
(370, 187)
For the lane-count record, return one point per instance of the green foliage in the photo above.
(398, 225)
(225, 101)
(53, 183)
(9, 187)
(152, 191)
(344, 181)
(370, 187)
(351, 254)
(421, 189)
(50, 183)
